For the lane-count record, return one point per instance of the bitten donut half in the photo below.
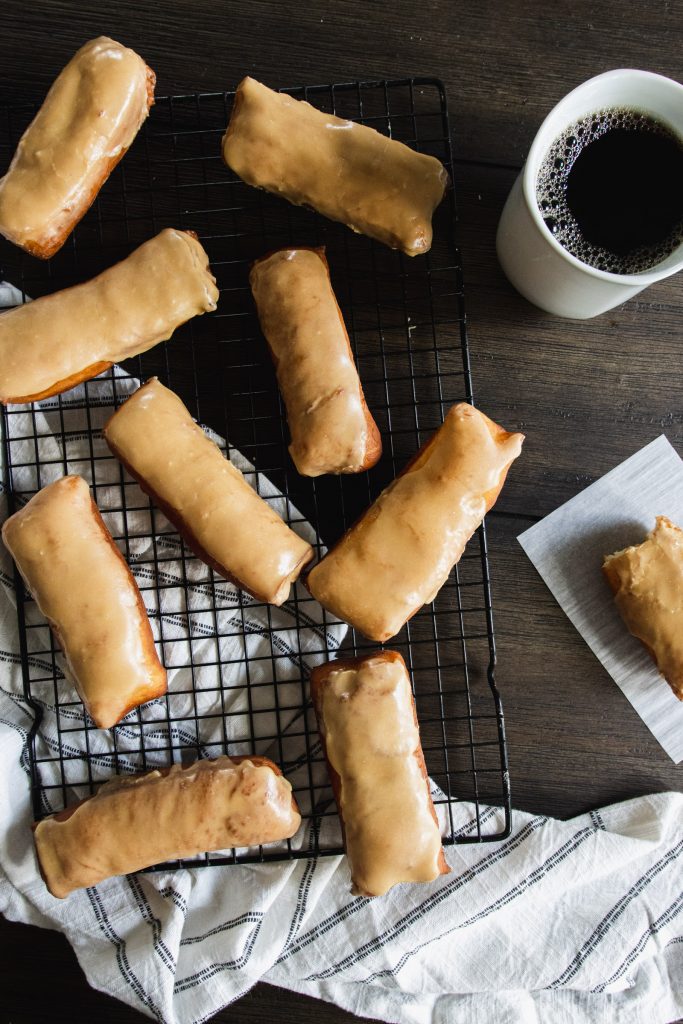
(647, 582)
(369, 732)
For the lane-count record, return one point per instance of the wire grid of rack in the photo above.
(238, 680)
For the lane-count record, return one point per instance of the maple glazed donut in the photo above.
(368, 728)
(401, 551)
(136, 821)
(53, 343)
(331, 428)
(84, 588)
(88, 120)
(346, 171)
(647, 583)
(222, 519)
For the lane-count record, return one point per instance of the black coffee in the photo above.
(611, 190)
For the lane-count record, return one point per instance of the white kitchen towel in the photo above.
(574, 921)
(567, 548)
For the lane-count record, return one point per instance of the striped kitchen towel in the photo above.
(577, 921)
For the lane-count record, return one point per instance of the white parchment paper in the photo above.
(567, 549)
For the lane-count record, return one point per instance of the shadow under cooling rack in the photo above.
(238, 670)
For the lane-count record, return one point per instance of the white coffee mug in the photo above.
(533, 260)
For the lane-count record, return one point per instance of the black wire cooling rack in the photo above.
(239, 669)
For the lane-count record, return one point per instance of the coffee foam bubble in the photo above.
(551, 193)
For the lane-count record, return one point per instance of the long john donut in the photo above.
(330, 424)
(89, 119)
(369, 733)
(399, 554)
(84, 588)
(133, 822)
(223, 520)
(53, 343)
(344, 170)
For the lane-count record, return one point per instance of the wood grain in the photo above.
(587, 394)
(505, 64)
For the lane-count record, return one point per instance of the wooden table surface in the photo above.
(587, 394)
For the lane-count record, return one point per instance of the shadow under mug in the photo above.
(532, 259)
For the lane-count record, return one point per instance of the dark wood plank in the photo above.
(586, 393)
(505, 64)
